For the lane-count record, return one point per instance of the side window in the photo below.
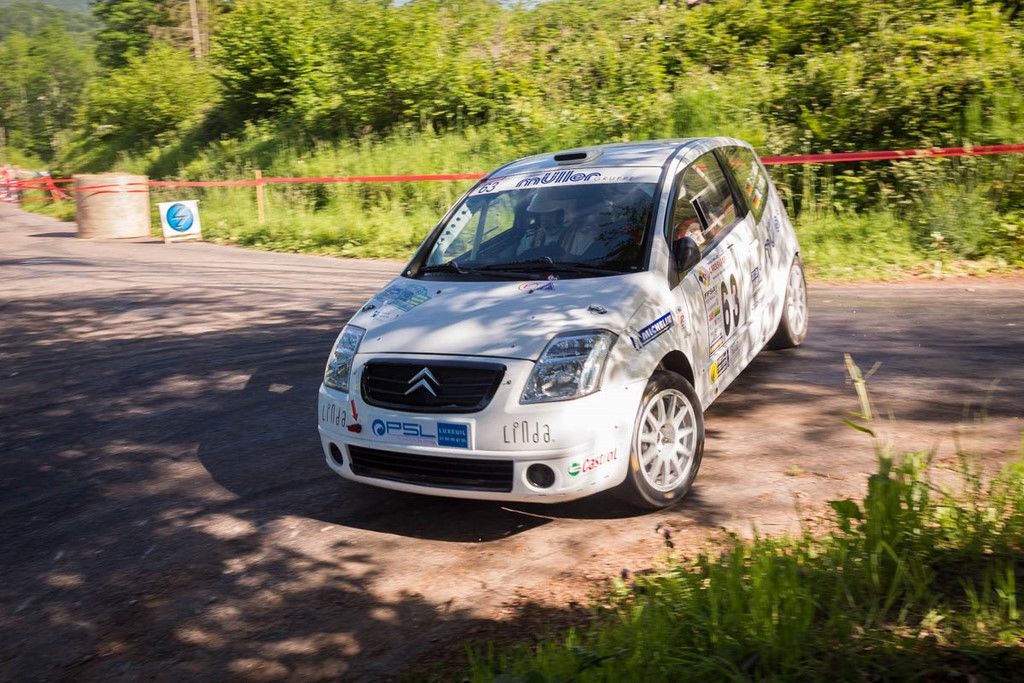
(751, 178)
(500, 216)
(704, 202)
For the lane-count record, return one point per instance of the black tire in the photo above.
(638, 488)
(792, 327)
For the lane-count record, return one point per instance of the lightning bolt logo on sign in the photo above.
(180, 220)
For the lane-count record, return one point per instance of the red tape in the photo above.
(47, 184)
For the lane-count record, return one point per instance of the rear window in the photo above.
(751, 178)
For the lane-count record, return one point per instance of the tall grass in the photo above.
(956, 212)
(912, 582)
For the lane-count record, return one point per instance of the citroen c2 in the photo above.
(564, 327)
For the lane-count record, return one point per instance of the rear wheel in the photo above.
(668, 443)
(793, 325)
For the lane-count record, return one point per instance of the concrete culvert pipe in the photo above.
(111, 205)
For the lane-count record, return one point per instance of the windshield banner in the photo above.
(570, 176)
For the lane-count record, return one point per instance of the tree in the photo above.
(126, 28)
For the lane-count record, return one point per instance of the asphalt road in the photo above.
(166, 512)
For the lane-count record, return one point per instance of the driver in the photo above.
(550, 229)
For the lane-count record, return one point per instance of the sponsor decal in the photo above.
(559, 177)
(448, 434)
(653, 331)
(592, 463)
(709, 273)
(452, 435)
(719, 365)
(716, 326)
(531, 287)
(525, 432)
(395, 300)
(716, 266)
(332, 414)
(769, 244)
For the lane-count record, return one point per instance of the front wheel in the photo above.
(668, 443)
(793, 325)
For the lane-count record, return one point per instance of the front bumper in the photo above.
(585, 442)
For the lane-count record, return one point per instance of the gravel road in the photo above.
(166, 512)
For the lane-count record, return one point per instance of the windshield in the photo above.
(583, 226)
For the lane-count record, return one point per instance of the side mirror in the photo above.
(686, 253)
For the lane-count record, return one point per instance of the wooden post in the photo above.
(197, 43)
(260, 214)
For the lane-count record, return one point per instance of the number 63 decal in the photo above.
(730, 309)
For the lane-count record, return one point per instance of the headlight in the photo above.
(339, 365)
(570, 367)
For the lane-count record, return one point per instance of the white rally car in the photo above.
(565, 326)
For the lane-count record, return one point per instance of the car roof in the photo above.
(647, 153)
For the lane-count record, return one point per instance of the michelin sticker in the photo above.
(652, 331)
(396, 300)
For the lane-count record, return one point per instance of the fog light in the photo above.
(336, 455)
(540, 476)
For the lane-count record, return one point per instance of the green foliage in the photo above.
(125, 28)
(790, 76)
(909, 583)
(134, 107)
(41, 81)
(31, 16)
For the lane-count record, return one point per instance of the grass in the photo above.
(956, 224)
(910, 583)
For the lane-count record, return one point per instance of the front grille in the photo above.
(458, 387)
(431, 470)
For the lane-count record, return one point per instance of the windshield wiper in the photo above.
(453, 267)
(547, 265)
(450, 267)
(545, 262)
(587, 268)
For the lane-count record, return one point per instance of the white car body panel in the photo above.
(585, 441)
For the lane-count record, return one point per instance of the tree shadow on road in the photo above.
(164, 495)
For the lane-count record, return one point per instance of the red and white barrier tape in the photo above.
(49, 184)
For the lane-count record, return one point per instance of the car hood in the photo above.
(508, 319)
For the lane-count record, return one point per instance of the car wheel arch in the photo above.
(677, 362)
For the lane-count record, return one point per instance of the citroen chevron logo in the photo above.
(424, 379)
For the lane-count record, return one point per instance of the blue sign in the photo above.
(180, 218)
(452, 435)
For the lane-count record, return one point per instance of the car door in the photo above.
(752, 184)
(705, 208)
